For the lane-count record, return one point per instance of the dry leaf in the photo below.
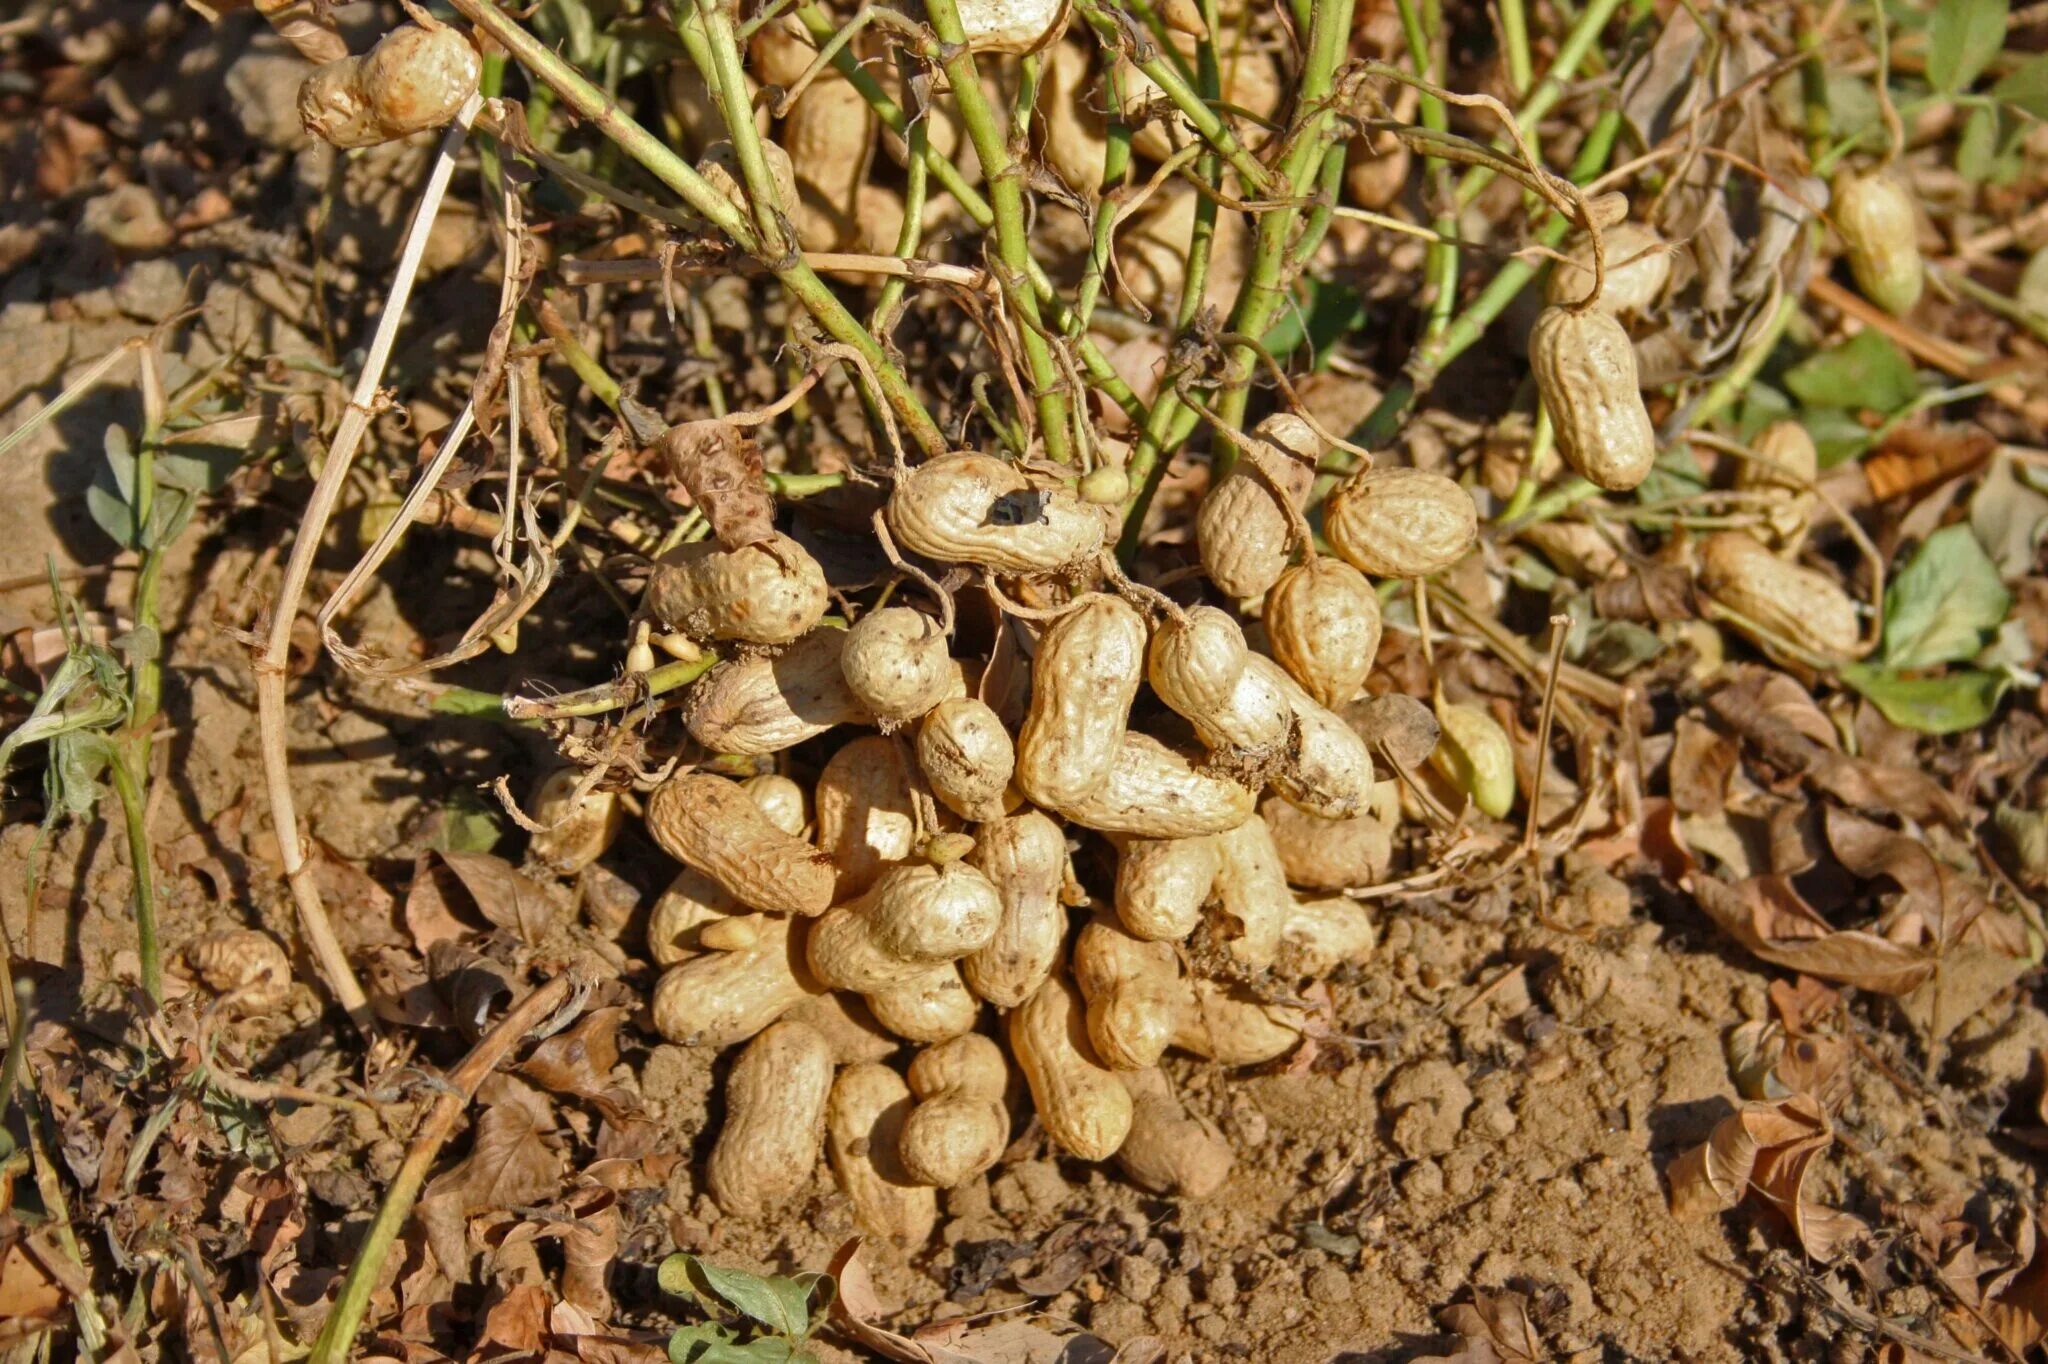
(1072, 1250)
(509, 1165)
(514, 1324)
(721, 466)
(1767, 1149)
(27, 1291)
(1493, 1328)
(1766, 915)
(1702, 761)
(578, 1062)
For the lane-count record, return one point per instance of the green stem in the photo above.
(135, 808)
(1578, 44)
(916, 188)
(1206, 121)
(1514, 32)
(1013, 243)
(728, 84)
(592, 104)
(1116, 165)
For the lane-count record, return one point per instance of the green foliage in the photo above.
(1865, 372)
(1960, 700)
(1962, 40)
(776, 1314)
(1940, 610)
(2026, 86)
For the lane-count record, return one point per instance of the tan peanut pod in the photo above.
(1329, 768)
(689, 101)
(1585, 369)
(245, 966)
(1025, 857)
(1162, 884)
(1323, 626)
(1474, 754)
(1318, 936)
(1400, 523)
(774, 1120)
(1154, 792)
(1638, 268)
(865, 823)
(1089, 666)
(781, 800)
(1874, 214)
(1082, 1107)
(720, 166)
(691, 901)
(1230, 1027)
(414, 79)
(933, 1006)
(967, 758)
(1196, 664)
(1329, 854)
(1243, 533)
(574, 832)
(1377, 170)
(781, 51)
(759, 705)
(717, 998)
(974, 508)
(769, 592)
(848, 1026)
(897, 663)
(1784, 469)
(863, 1137)
(830, 137)
(960, 1125)
(1797, 604)
(1133, 991)
(1073, 134)
(708, 823)
(1169, 1152)
(916, 916)
(1014, 26)
(1251, 890)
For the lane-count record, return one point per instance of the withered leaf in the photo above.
(515, 1323)
(1493, 1328)
(1702, 761)
(1649, 594)
(1073, 1249)
(721, 466)
(1766, 915)
(503, 894)
(509, 1165)
(1767, 1149)
(578, 1062)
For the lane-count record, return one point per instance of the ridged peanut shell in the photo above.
(1083, 1108)
(575, 832)
(761, 705)
(709, 823)
(1162, 884)
(865, 821)
(1169, 1152)
(1328, 854)
(1400, 522)
(1784, 469)
(1638, 267)
(775, 1101)
(973, 508)
(769, 592)
(1251, 891)
(1089, 666)
(960, 1126)
(897, 663)
(1323, 626)
(1154, 792)
(1795, 603)
(864, 1120)
(1024, 857)
(967, 756)
(1585, 368)
(717, 998)
(1874, 214)
(914, 917)
(1133, 990)
(1242, 531)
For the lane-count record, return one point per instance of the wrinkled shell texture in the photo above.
(1084, 1108)
(1875, 216)
(709, 823)
(1162, 884)
(775, 1120)
(1638, 268)
(897, 664)
(1799, 604)
(967, 755)
(246, 965)
(915, 917)
(1585, 368)
(980, 510)
(1784, 469)
(576, 832)
(412, 80)
(1089, 666)
(772, 592)
(760, 705)
(714, 999)
(863, 1135)
(960, 1125)
(864, 816)
(1167, 1151)
(1154, 792)
(1323, 623)
(1399, 522)
(1133, 992)
(1243, 532)
(1025, 859)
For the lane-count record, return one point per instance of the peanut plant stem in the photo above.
(729, 86)
(1013, 244)
(135, 810)
(1165, 75)
(1578, 43)
(592, 104)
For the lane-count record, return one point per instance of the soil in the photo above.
(1495, 1101)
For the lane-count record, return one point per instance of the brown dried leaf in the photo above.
(1493, 1328)
(1766, 915)
(27, 1290)
(1702, 761)
(578, 1062)
(721, 466)
(1072, 1250)
(514, 1324)
(503, 894)
(1917, 458)
(1649, 594)
(509, 1165)
(1766, 1149)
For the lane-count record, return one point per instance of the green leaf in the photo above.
(1959, 701)
(1330, 312)
(121, 460)
(1946, 601)
(1966, 35)
(2026, 86)
(712, 1344)
(1837, 436)
(1977, 147)
(111, 515)
(468, 824)
(788, 1306)
(1866, 371)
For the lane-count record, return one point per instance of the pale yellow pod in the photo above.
(915, 916)
(830, 137)
(689, 101)
(1025, 858)
(1083, 1108)
(1073, 134)
(1798, 604)
(1162, 884)
(1323, 625)
(758, 705)
(1874, 213)
(974, 508)
(865, 822)
(960, 1125)
(1251, 892)
(1154, 792)
(1329, 854)
(1089, 666)
(717, 998)
(708, 823)
(769, 592)
(1784, 469)
(1168, 1152)
(1243, 532)
(1229, 1026)
(245, 966)
(1400, 523)
(848, 1026)
(333, 107)
(1014, 26)
(1329, 768)
(1321, 935)
(774, 1120)
(1585, 368)
(967, 757)
(1638, 269)
(897, 664)
(781, 800)
(863, 1137)
(781, 51)
(574, 833)
(691, 901)
(932, 1006)
(720, 166)
(1133, 991)
(414, 79)
(1474, 753)
(1196, 664)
